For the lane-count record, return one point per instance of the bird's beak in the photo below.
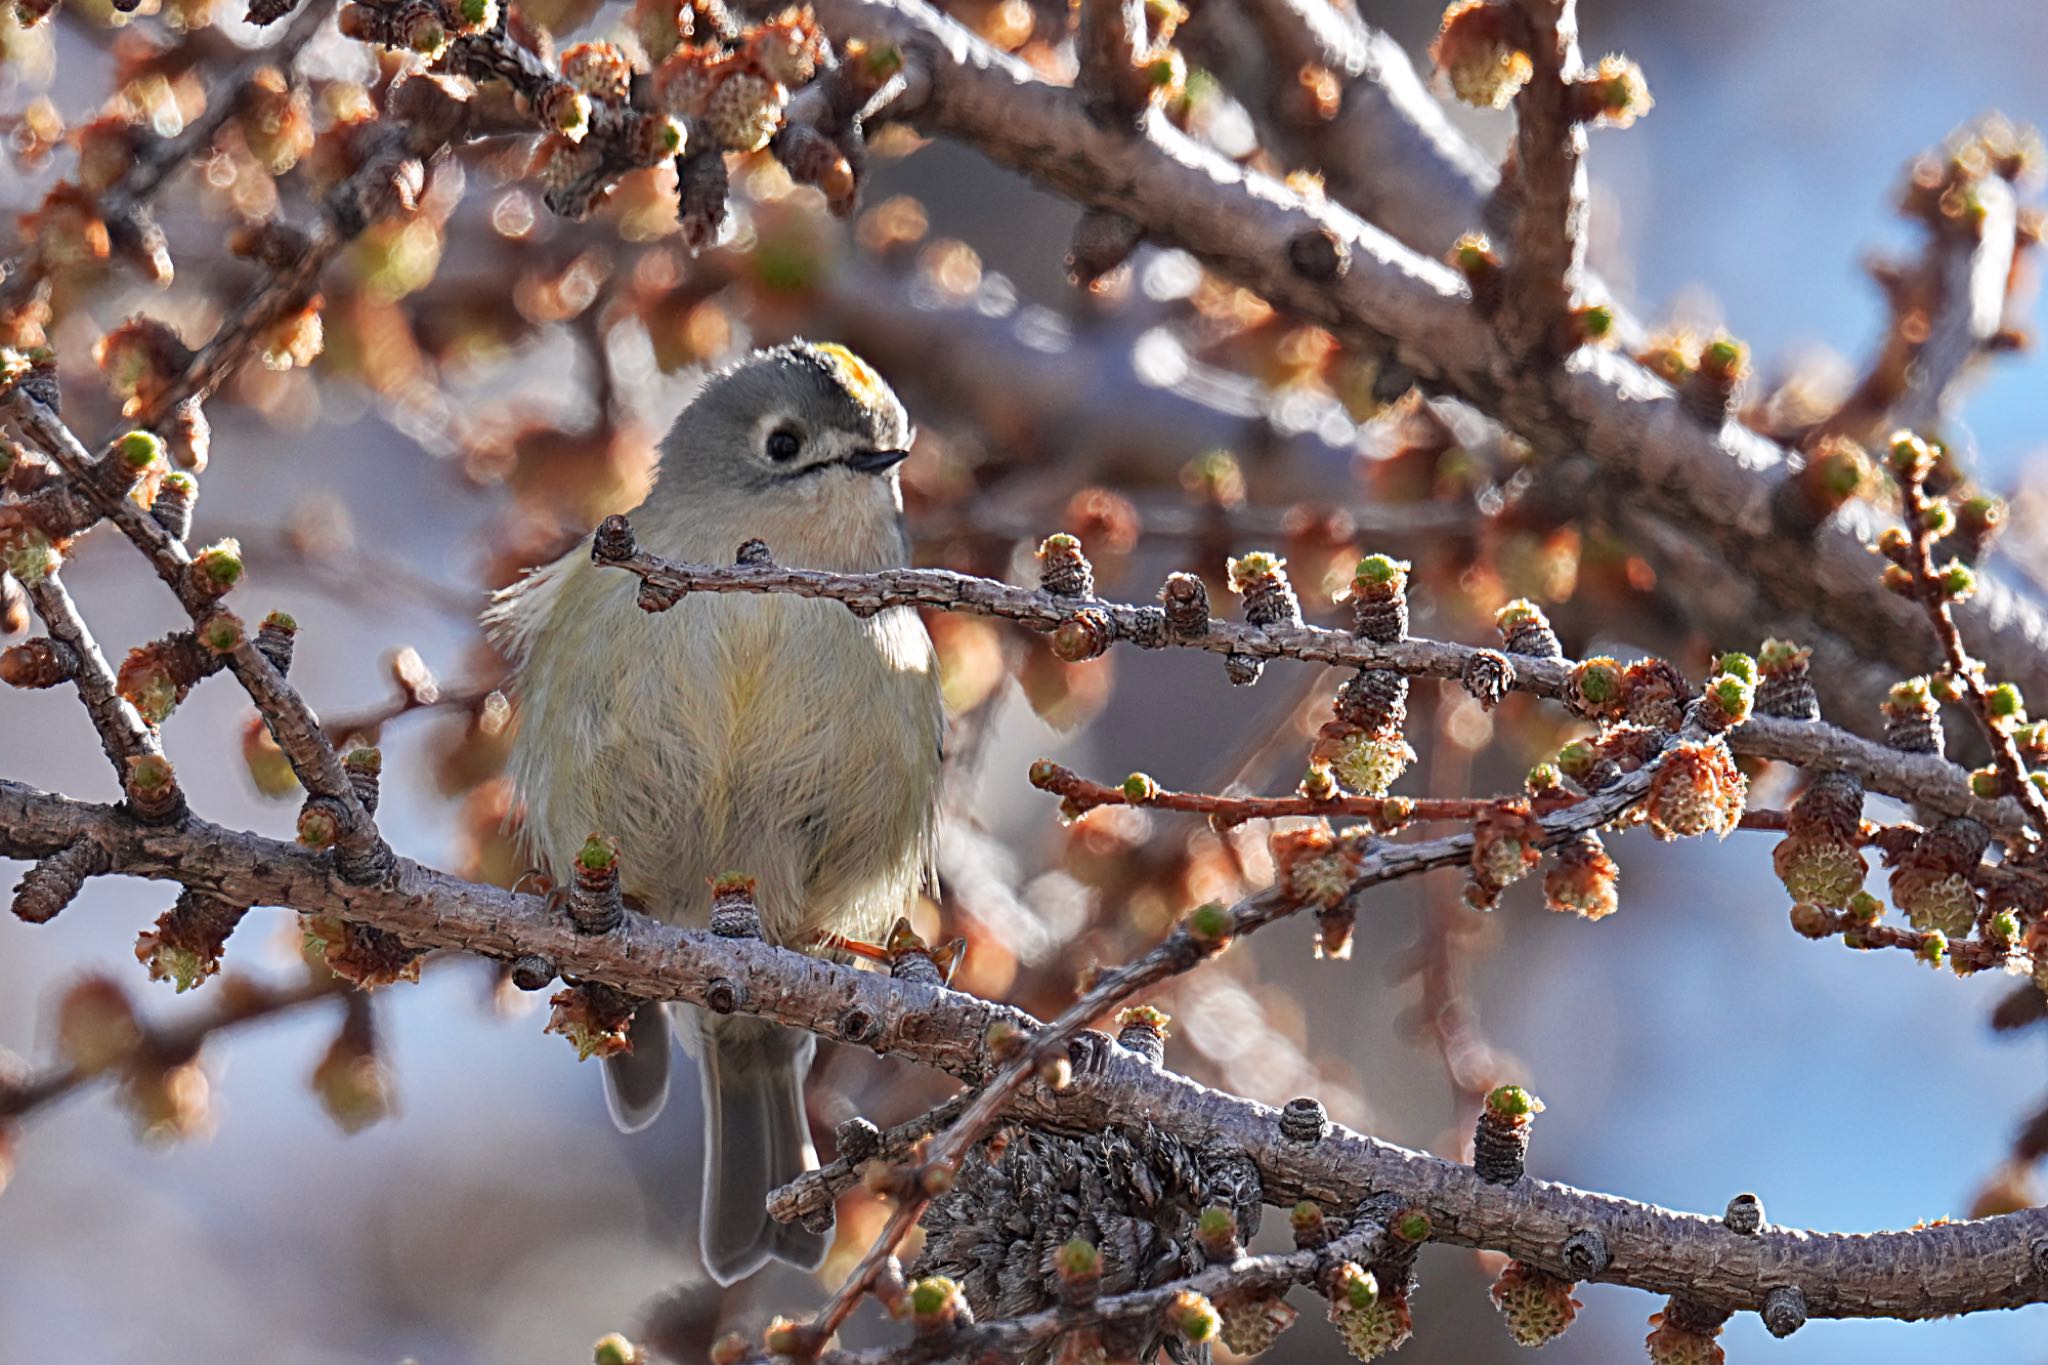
(876, 461)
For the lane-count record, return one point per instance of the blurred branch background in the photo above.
(483, 379)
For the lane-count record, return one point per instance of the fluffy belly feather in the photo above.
(780, 738)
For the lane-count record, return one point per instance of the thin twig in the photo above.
(1967, 672)
(1545, 186)
(290, 720)
(123, 734)
(1920, 778)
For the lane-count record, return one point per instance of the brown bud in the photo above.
(38, 663)
(1087, 634)
(1186, 601)
(1488, 676)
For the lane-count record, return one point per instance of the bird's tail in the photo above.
(636, 1082)
(755, 1139)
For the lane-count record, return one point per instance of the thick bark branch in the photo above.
(1653, 459)
(1926, 1272)
(1387, 152)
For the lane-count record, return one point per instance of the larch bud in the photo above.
(1500, 1140)
(1820, 859)
(1912, 719)
(1524, 629)
(1537, 1306)
(1697, 790)
(1479, 47)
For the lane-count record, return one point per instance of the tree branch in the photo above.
(1931, 1271)
(1921, 778)
(1713, 485)
(291, 721)
(1544, 186)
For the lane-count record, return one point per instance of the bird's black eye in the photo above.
(783, 445)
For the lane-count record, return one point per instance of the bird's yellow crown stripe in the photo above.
(858, 377)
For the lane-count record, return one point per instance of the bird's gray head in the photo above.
(799, 423)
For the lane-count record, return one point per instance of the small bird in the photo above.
(782, 738)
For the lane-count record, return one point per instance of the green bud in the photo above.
(139, 449)
(600, 853)
(1733, 695)
(1210, 922)
(1247, 569)
(884, 60)
(1598, 681)
(1738, 664)
(2004, 702)
(1843, 471)
(218, 567)
(1777, 656)
(1519, 614)
(1577, 758)
(428, 37)
(1724, 355)
(784, 1338)
(1512, 1102)
(2004, 929)
(1139, 788)
(1910, 695)
(614, 1349)
(1078, 1257)
(1380, 569)
(1193, 1316)
(149, 772)
(1595, 321)
(1002, 1039)
(221, 632)
(1473, 252)
(933, 1295)
(1909, 457)
(572, 112)
(1359, 1288)
(1957, 579)
(1810, 920)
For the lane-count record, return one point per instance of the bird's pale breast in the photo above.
(778, 737)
